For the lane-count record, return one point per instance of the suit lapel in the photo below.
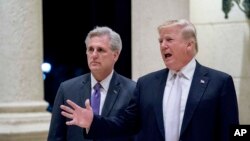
(159, 86)
(112, 94)
(85, 90)
(198, 86)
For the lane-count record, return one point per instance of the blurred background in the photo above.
(65, 26)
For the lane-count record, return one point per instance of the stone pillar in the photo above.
(23, 115)
(147, 15)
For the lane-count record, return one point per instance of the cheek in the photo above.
(162, 50)
(88, 58)
(190, 51)
(179, 53)
(107, 59)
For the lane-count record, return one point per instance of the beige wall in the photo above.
(146, 16)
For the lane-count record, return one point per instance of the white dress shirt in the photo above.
(186, 80)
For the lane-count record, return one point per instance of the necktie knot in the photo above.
(177, 74)
(97, 86)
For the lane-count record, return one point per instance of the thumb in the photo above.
(87, 105)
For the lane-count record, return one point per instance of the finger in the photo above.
(70, 122)
(67, 115)
(87, 105)
(66, 109)
(72, 104)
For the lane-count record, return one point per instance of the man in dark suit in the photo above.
(184, 102)
(114, 92)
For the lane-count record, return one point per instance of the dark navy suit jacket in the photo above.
(210, 110)
(78, 90)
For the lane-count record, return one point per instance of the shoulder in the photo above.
(154, 75)
(124, 80)
(211, 72)
(77, 80)
(215, 77)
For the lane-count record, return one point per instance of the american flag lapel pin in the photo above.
(202, 81)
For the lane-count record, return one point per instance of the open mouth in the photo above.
(167, 55)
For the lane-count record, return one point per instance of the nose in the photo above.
(94, 53)
(163, 44)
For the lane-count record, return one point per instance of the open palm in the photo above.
(82, 117)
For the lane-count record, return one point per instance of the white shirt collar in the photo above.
(105, 82)
(187, 71)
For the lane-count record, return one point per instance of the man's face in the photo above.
(174, 49)
(101, 58)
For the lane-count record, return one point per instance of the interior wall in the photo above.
(146, 17)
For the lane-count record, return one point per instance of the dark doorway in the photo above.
(65, 26)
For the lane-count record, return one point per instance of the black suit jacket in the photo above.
(78, 90)
(211, 108)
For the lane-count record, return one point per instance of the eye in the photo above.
(100, 50)
(90, 49)
(169, 39)
(160, 41)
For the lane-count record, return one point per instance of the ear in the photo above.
(116, 55)
(190, 46)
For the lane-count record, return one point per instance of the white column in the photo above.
(23, 113)
(147, 15)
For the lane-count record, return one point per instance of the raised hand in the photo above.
(81, 117)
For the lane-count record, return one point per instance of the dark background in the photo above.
(65, 26)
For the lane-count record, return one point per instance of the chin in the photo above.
(94, 69)
(168, 63)
(170, 66)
